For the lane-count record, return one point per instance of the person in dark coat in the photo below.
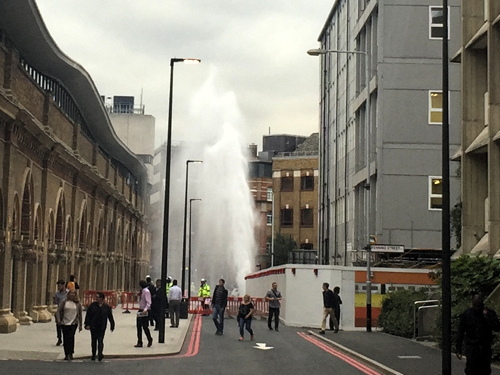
(96, 320)
(329, 301)
(476, 328)
(155, 303)
(219, 302)
(336, 309)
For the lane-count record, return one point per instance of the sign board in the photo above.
(387, 248)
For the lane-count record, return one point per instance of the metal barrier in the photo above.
(110, 297)
(196, 306)
(130, 301)
(432, 302)
(233, 304)
(261, 307)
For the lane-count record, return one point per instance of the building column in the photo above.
(34, 262)
(19, 285)
(8, 322)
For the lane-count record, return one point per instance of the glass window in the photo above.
(306, 217)
(435, 107)
(435, 193)
(269, 194)
(269, 217)
(436, 18)
(307, 183)
(287, 217)
(286, 183)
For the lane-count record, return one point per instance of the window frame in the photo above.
(269, 218)
(302, 212)
(269, 194)
(302, 183)
(433, 195)
(282, 221)
(431, 109)
(435, 25)
(288, 178)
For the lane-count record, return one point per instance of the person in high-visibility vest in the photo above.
(204, 292)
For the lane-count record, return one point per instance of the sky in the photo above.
(254, 49)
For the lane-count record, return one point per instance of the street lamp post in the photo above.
(185, 225)
(317, 52)
(166, 207)
(189, 251)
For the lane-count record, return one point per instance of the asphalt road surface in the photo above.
(289, 351)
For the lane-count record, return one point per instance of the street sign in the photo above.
(387, 248)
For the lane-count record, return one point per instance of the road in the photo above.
(293, 352)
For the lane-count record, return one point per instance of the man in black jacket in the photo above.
(96, 321)
(219, 302)
(329, 302)
(476, 327)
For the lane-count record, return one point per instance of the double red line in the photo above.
(351, 361)
(194, 340)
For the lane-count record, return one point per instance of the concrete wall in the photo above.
(302, 304)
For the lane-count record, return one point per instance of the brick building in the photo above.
(72, 197)
(295, 188)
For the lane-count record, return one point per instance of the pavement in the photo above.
(38, 341)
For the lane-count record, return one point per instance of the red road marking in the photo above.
(194, 341)
(351, 361)
(192, 350)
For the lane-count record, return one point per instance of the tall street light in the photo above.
(166, 208)
(445, 209)
(189, 253)
(185, 224)
(317, 52)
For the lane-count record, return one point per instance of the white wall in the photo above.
(302, 304)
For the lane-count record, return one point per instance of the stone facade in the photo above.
(66, 205)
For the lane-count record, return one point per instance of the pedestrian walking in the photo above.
(476, 329)
(274, 298)
(245, 314)
(96, 320)
(142, 320)
(219, 303)
(69, 316)
(328, 308)
(58, 297)
(155, 303)
(152, 291)
(336, 309)
(72, 283)
(174, 296)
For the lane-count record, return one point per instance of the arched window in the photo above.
(26, 209)
(60, 221)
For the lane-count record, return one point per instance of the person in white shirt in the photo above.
(142, 321)
(69, 317)
(174, 300)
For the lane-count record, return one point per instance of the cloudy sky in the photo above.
(255, 49)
